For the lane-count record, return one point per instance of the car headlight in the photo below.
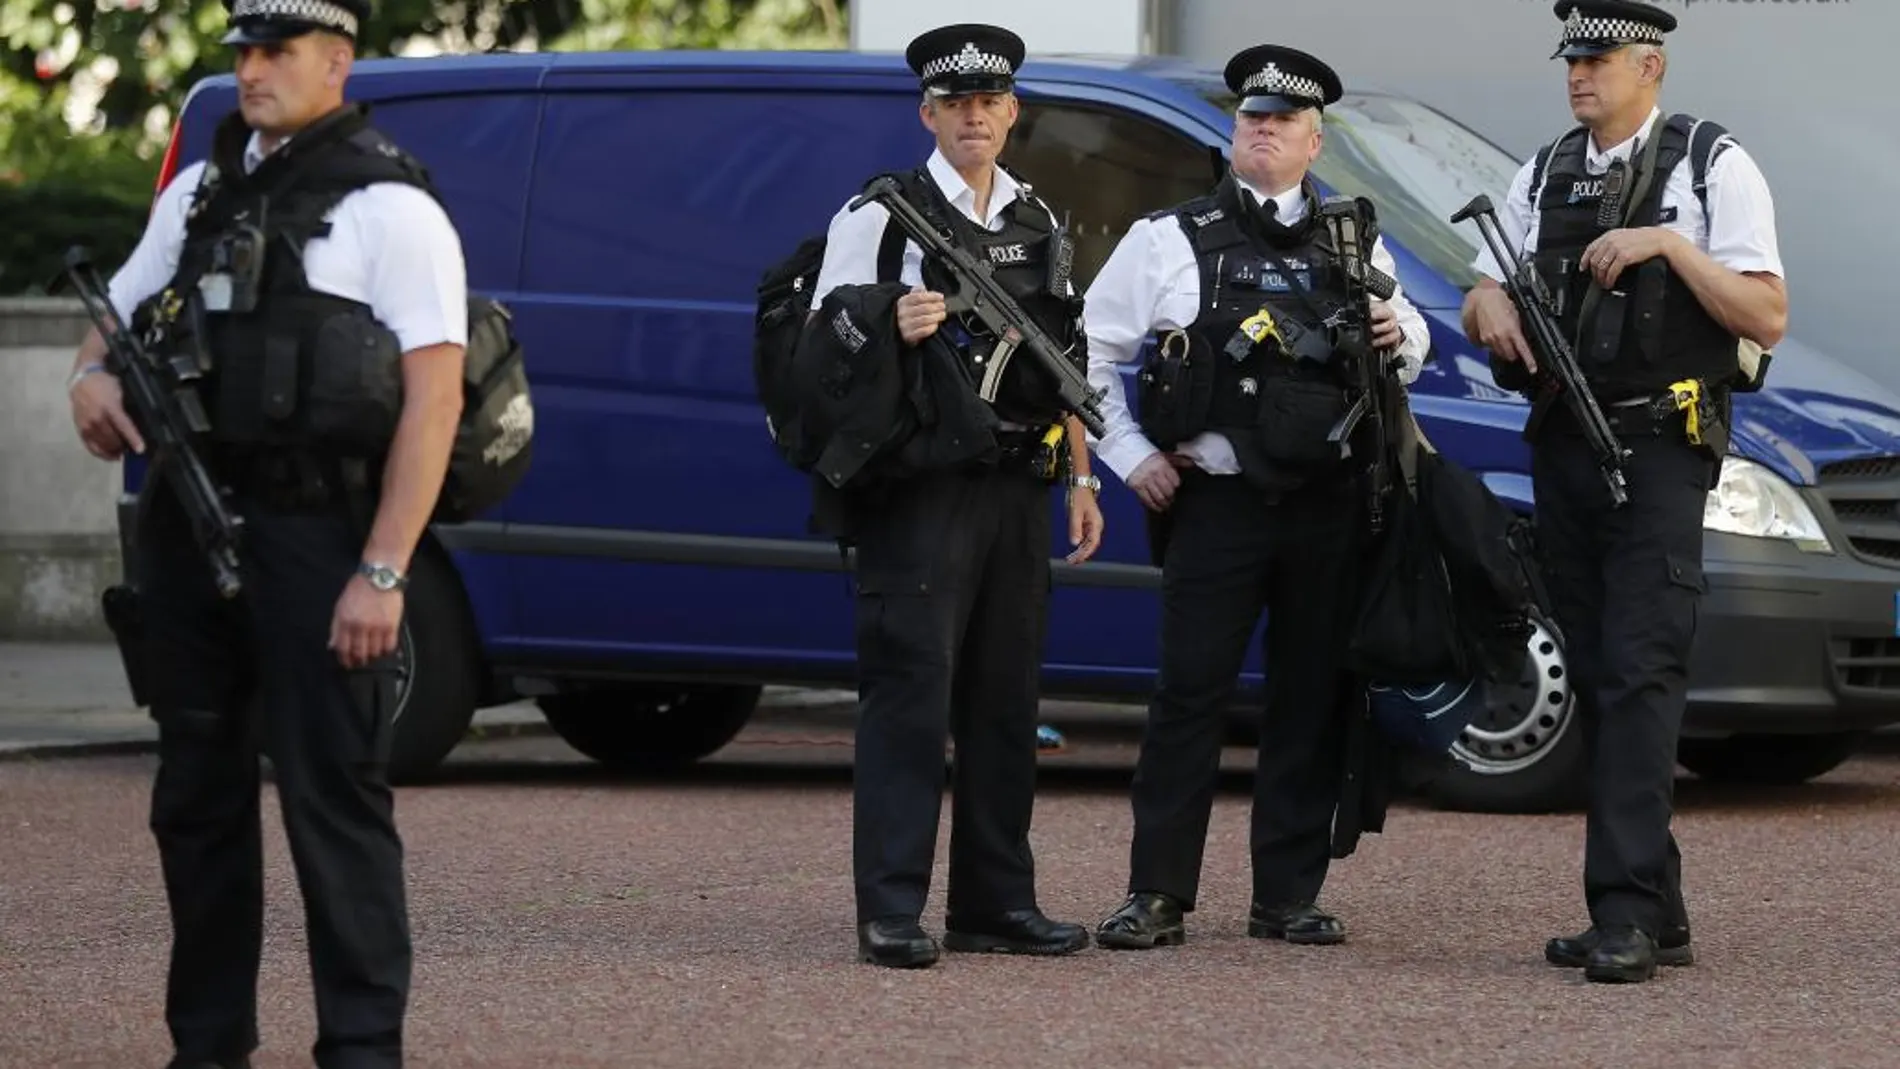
(1751, 500)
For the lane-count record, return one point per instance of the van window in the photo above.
(1106, 168)
(690, 195)
(477, 149)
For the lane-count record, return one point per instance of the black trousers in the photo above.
(1231, 554)
(231, 678)
(1625, 585)
(953, 591)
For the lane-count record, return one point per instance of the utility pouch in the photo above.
(1172, 391)
(1296, 414)
(355, 384)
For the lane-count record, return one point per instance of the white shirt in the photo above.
(1740, 236)
(1153, 282)
(852, 239)
(390, 246)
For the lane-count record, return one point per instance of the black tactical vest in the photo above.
(1274, 397)
(1650, 331)
(291, 370)
(1022, 253)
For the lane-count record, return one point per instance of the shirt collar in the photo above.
(1003, 188)
(1598, 162)
(1290, 206)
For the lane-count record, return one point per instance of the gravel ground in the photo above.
(565, 917)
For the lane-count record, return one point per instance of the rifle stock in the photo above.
(981, 295)
(1554, 356)
(168, 419)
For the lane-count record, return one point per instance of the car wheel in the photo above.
(439, 666)
(652, 727)
(1524, 753)
(1767, 759)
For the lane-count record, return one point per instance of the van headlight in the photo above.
(1751, 500)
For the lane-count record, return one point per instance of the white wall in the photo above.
(1110, 27)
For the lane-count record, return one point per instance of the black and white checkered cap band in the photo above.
(969, 61)
(321, 12)
(1272, 80)
(1630, 31)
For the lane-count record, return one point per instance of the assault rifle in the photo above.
(168, 417)
(1348, 220)
(1527, 291)
(978, 292)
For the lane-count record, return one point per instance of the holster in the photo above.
(120, 606)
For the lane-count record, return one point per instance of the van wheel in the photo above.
(1776, 760)
(652, 727)
(439, 664)
(1524, 753)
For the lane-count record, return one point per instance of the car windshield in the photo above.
(1416, 165)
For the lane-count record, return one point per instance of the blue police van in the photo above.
(655, 571)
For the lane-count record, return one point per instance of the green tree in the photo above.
(89, 89)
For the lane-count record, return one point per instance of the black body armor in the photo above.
(1031, 259)
(1257, 364)
(288, 370)
(1650, 331)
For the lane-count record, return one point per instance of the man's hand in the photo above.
(1085, 524)
(99, 413)
(1493, 323)
(1154, 480)
(1608, 255)
(365, 623)
(918, 313)
(1385, 326)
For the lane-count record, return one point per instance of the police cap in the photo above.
(966, 58)
(262, 22)
(1593, 27)
(1276, 78)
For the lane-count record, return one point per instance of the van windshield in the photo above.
(1415, 164)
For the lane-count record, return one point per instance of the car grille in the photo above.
(1865, 497)
(1868, 663)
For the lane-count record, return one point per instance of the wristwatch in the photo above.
(1090, 483)
(382, 576)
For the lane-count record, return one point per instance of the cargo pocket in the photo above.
(1687, 584)
(896, 620)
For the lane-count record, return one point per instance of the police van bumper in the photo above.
(1794, 640)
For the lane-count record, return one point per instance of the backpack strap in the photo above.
(1707, 140)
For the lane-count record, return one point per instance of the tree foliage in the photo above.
(89, 89)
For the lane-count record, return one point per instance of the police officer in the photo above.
(953, 564)
(1657, 291)
(301, 663)
(1258, 510)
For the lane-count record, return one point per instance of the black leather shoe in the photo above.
(1021, 931)
(896, 942)
(1298, 922)
(1622, 956)
(1147, 919)
(1573, 951)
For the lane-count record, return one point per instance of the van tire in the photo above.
(1526, 755)
(441, 661)
(654, 727)
(1767, 760)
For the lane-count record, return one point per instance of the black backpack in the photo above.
(494, 438)
(784, 303)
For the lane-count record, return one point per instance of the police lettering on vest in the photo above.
(293, 372)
